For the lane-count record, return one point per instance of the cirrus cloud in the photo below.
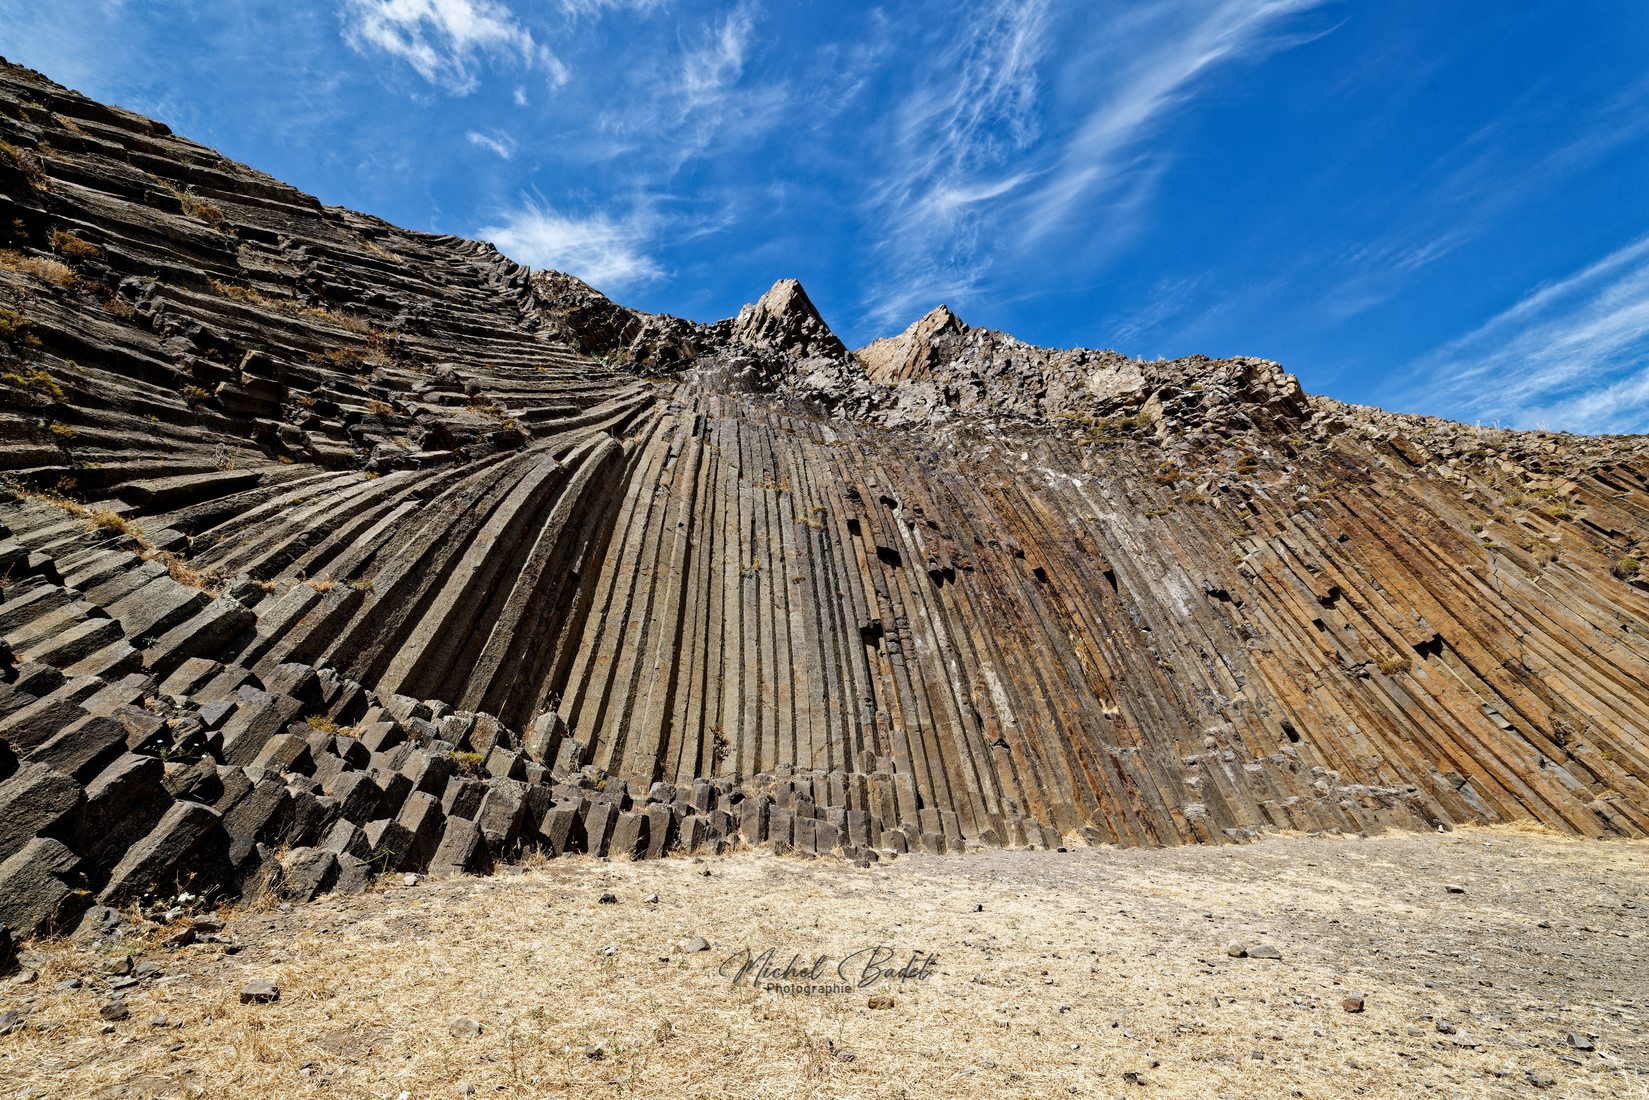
(442, 39)
(606, 252)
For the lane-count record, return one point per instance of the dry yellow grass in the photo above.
(182, 571)
(67, 244)
(105, 519)
(43, 268)
(1077, 971)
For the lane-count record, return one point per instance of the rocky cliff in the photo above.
(329, 547)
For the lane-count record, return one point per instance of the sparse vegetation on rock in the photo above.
(338, 549)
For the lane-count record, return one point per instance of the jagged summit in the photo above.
(326, 546)
(785, 320)
(938, 373)
(910, 355)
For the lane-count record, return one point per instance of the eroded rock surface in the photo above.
(330, 548)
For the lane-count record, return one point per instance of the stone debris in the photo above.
(260, 991)
(330, 551)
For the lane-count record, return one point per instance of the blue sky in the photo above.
(1434, 207)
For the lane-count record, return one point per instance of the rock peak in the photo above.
(786, 320)
(911, 354)
(940, 314)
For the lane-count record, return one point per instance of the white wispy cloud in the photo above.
(1162, 76)
(972, 110)
(709, 68)
(985, 165)
(494, 141)
(1569, 356)
(577, 8)
(697, 101)
(608, 253)
(442, 39)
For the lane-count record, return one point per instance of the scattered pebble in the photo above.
(260, 991)
(183, 937)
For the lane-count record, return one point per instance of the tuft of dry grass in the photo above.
(34, 381)
(328, 725)
(27, 163)
(51, 499)
(43, 268)
(182, 571)
(198, 208)
(242, 293)
(105, 519)
(380, 251)
(65, 243)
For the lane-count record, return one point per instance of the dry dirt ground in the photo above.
(1089, 973)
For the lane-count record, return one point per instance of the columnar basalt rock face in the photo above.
(330, 547)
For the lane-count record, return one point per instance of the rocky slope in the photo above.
(330, 547)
